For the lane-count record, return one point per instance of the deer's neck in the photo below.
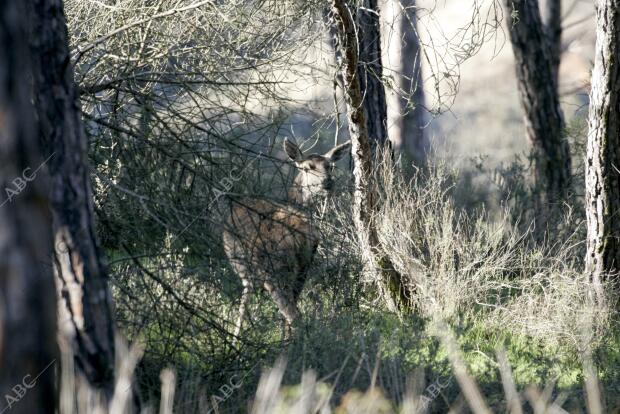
(296, 194)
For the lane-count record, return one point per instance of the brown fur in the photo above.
(271, 244)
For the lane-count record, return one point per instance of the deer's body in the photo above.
(270, 244)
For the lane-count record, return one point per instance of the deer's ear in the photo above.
(338, 151)
(292, 150)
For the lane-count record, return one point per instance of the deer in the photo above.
(272, 244)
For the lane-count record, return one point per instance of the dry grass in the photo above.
(315, 396)
(312, 396)
(468, 266)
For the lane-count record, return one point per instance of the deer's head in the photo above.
(315, 176)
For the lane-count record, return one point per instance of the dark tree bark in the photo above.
(544, 121)
(603, 149)
(406, 113)
(369, 70)
(552, 20)
(370, 73)
(28, 351)
(85, 302)
(395, 290)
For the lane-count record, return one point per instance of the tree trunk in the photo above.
(552, 19)
(395, 291)
(28, 351)
(544, 121)
(370, 73)
(603, 149)
(85, 315)
(406, 113)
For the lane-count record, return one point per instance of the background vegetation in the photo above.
(175, 106)
(185, 107)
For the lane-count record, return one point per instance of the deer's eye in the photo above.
(312, 167)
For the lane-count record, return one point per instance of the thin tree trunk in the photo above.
(370, 73)
(28, 350)
(552, 20)
(396, 292)
(369, 70)
(603, 149)
(406, 113)
(544, 121)
(85, 302)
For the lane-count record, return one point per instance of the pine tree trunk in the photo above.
(370, 73)
(394, 289)
(603, 150)
(552, 20)
(28, 350)
(85, 302)
(544, 121)
(406, 113)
